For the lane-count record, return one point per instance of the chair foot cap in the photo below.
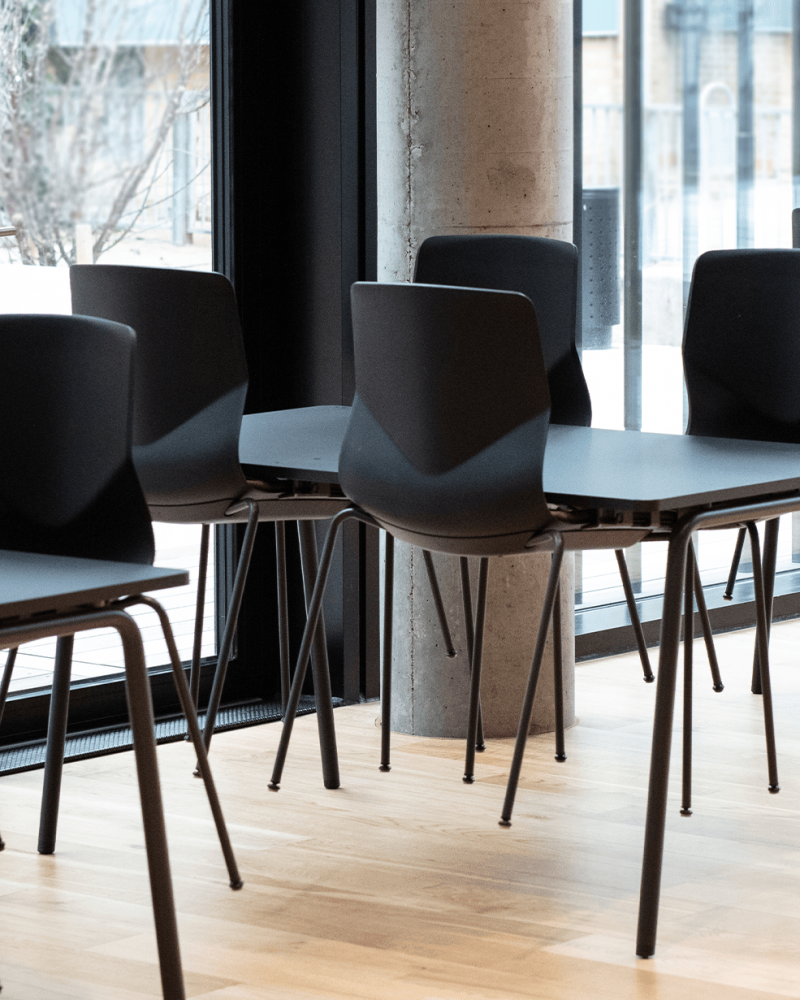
(718, 688)
(274, 786)
(480, 747)
(561, 757)
(385, 767)
(774, 789)
(451, 653)
(686, 811)
(727, 597)
(237, 884)
(196, 773)
(650, 678)
(504, 822)
(468, 779)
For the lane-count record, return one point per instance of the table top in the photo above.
(295, 444)
(34, 584)
(583, 466)
(634, 470)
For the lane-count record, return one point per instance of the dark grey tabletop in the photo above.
(33, 584)
(583, 466)
(632, 470)
(295, 444)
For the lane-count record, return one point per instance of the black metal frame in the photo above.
(677, 559)
(295, 231)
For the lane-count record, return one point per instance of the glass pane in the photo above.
(105, 158)
(716, 139)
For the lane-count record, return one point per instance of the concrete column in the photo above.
(474, 135)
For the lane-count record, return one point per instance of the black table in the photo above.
(677, 484)
(299, 444)
(671, 484)
(43, 596)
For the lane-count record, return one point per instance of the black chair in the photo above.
(189, 395)
(547, 272)
(741, 359)
(445, 448)
(69, 488)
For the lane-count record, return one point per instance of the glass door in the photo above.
(688, 139)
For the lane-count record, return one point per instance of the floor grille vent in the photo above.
(81, 746)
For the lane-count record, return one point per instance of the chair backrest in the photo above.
(446, 438)
(547, 272)
(191, 375)
(68, 484)
(741, 345)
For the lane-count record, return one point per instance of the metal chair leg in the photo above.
(5, 682)
(475, 671)
(231, 621)
(56, 740)
(187, 706)
(438, 603)
(737, 555)
(762, 635)
(633, 614)
(283, 612)
(199, 615)
(314, 608)
(770, 559)
(708, 636)
(558, 679)
(466, 598)
(386, 662)
(319, 661)
(688, 644)
(533, 679)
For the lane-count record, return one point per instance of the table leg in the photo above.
(662, 744)
(155, 834)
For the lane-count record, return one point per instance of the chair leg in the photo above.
(319, 661)
(313, 613)
(533, 679)
(558, 679)
(140, 707)
(5, 682)
(189, 710)
(199, 614)
(56, 740)
(386, 662)
(769, 565)
(438, 603)
(762, 634)
(737, 555)
(466, 598)
(231, 621)
(475, 672)
(283, 612)
(633, 614)
(708, 636)
(688, 644)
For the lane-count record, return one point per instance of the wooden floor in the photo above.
(403, 886)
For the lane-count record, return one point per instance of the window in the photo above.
(105, 137)
(717, 140)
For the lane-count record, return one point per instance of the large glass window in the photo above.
(105, 158)
(716, 139)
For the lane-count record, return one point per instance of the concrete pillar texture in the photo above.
(474, 135)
